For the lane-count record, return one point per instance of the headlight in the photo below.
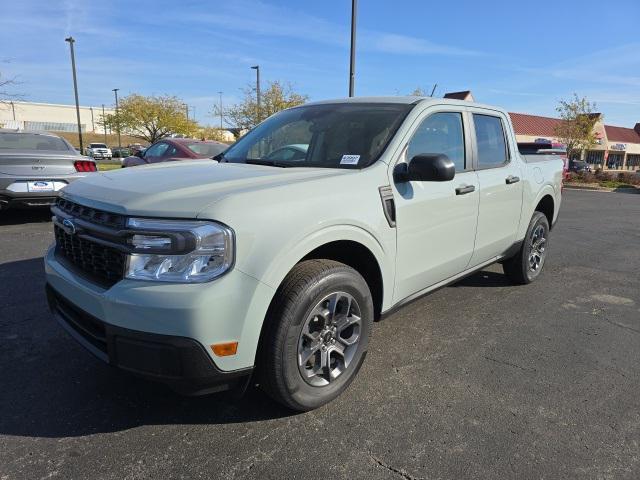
(196, 251)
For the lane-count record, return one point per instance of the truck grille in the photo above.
(100, 263)
(92, 215)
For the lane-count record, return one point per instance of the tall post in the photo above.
(13, 109)
(220, 93)
(115, 90)
(104, 125)
(93, 125)
(352, 64)
(75, 88)
(258, 108)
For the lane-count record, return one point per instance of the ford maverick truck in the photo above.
(270, 265)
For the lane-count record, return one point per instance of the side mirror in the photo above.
(425, 168)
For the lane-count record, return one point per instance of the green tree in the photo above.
(576, 130)
(150, 118)
(277, 96)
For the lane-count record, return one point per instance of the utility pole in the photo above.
(104, 125)
(258, 109)
(220, 93)
(352, 64)
(13, 109)
(75, 88)
(93, 125)
(115, 90)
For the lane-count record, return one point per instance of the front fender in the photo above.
(274, 272)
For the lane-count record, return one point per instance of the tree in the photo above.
(277, 96)
(576, 129)
(418, 92)
(212, 133)
(150, 118)
(5, 89)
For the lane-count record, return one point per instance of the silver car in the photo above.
(35, 166)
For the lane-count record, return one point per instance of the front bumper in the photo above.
(230, 308)
(179, 362)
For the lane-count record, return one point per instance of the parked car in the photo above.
(99, 151)
(34, 167)
(207, 275)
(172, 149)
(579, 166)
(121, 152)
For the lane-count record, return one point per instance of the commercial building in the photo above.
(616, 148)
(50, 117)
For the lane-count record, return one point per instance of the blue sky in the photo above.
(523, 58)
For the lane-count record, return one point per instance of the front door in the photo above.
(436, 221)
(500, 178)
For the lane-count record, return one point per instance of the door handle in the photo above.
(512, 179)
(465, 189)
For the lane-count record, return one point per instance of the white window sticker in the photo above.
(350, 159)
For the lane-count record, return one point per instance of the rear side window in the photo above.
(440, 133)
(492, 147)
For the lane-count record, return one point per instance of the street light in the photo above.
(75, 87)
(115, 91)
(220, 93)
(352, 65)
(258, 112)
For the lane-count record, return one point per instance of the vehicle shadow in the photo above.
(53, 388)
(484, 278)
(20, 216)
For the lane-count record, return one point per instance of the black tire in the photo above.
(518, 268)
(302, 290)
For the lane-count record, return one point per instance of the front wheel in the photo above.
(526, 265)
(316, 334)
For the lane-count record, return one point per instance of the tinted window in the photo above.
(440, 133)
(97, 145)
(156, 150)
(342, 135)
(31, 141)
(492, 149)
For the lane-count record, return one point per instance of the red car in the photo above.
(172, 149)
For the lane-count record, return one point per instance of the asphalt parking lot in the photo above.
(478, 380)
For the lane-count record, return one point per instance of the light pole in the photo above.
(75, 87)
(258, 110)
(104, 125)
(352, 59)
(220, 93)
(93, 125)
(115, 91)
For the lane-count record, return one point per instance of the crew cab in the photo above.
(214, 275)
(99, 151)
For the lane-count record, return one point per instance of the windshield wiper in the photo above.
(270, 163)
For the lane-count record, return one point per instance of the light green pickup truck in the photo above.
(270, 265)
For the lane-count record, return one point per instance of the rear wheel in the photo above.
(526, 265)
(317, 334)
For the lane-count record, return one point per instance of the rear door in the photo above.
(436, 221)
(500, 178)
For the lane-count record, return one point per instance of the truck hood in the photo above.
(181, 189)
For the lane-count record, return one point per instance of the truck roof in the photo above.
(409, 99)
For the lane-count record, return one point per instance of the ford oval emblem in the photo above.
(71, 227)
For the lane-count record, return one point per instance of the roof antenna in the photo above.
(434, 89)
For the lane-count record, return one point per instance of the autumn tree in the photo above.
(212, 133)
(150, 118)
(576, 129)
(277, 96)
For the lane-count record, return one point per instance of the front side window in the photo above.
(492, 147)
(440, 133)
(342, 135)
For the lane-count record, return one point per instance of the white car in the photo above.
(209, 275)
(99, 151)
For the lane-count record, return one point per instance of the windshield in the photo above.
(343, 135)
(97, 145)
(207, 149)
(31, 141)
